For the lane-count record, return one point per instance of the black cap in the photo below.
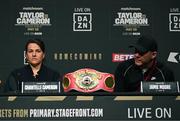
(145, 44)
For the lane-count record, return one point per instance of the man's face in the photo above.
(34, 54)
(144, 59)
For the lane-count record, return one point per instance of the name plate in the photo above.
(159, 87)
(40, 87)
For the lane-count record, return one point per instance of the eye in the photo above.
(29, 51)
(39, 51)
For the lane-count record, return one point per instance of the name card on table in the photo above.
(40, 87)
(159, 87)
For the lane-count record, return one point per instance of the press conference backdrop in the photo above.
(87, 33)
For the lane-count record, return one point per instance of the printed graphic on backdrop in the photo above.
(174, 57)
(32, 19)
(25, 60)
(120, 57)
(82, 19)
(130, 21)
(174, 20)
(78, 56)
(101, 34)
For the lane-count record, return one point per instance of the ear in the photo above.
(154, 54)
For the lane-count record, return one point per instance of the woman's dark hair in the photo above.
(39, 42)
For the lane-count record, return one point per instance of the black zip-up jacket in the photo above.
(13, 83)
(128, 76)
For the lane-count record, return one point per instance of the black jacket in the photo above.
(13, 83)
(128, 76)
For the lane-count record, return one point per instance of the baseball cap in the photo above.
(145, 44)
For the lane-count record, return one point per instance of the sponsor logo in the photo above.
(82, 19)
(174, 20)
(131, 19)
(174, 57)
(116, 57)
(32, 18)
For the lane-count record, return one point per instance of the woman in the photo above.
(34, 71)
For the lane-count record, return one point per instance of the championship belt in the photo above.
(88, 80)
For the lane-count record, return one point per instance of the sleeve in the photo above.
(119, 79)
(11, 84)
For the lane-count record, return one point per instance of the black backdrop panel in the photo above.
(86, 33)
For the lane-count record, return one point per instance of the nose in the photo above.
(34, 54)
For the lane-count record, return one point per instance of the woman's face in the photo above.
(34, 54)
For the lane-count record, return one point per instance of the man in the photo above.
(143, 67)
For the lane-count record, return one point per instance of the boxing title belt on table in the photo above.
(88, 80)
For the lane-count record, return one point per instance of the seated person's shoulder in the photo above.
(51, 73)
(163, 67)
(126, 64)
(18, 71)
(166, 71)
(50, 70)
